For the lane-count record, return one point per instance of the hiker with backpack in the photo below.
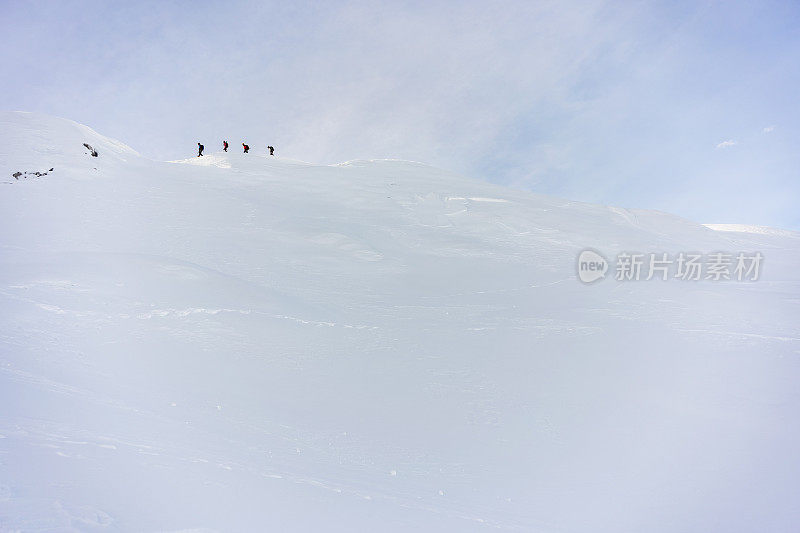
(246, 148)
(200, 149)
(224, 146)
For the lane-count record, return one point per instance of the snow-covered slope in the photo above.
(245, 343)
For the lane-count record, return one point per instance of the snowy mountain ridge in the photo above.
(240, 342)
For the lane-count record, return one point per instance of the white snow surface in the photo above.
(240, 342)
(746, 228)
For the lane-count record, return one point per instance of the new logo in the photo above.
(591, 266)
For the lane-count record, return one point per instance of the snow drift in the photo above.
(245, 343)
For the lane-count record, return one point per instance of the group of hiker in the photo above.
(245, 147)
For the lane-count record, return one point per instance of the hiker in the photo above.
(200, 149)
(224, 146)
(246, 148)
(271, 150)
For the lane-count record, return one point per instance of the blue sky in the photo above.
(686, 107)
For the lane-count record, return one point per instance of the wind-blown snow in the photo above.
(245, 343)
(745, 228)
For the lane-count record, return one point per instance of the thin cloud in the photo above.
(727, 144)
(768, 129)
